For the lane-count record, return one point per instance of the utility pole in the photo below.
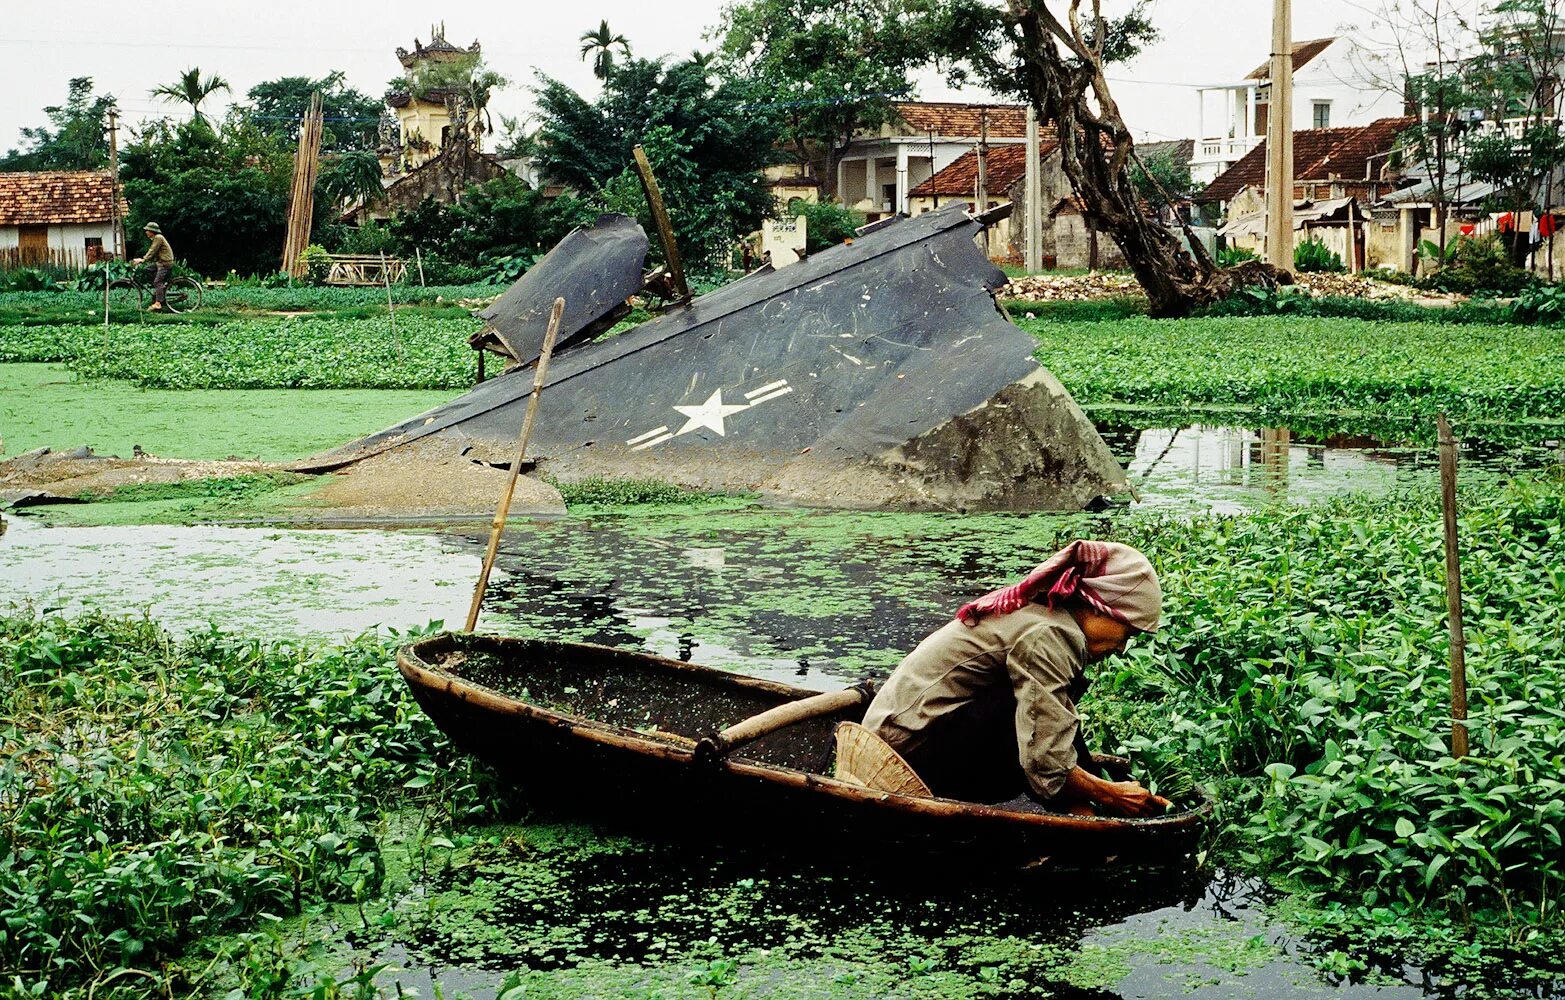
(1279, 141)
(1033, 193)
(116, 224)
(983, 170)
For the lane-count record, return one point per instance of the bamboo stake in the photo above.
(1453, 590)
(391, 310)
(420, 259)
(504, 510)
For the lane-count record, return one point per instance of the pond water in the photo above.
(808, 597)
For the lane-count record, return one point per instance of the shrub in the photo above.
(1313, 256)
(1474, 265)
(1232, 256)
(1539, 304)
(30, 279)
(317, 264)
(825, 224)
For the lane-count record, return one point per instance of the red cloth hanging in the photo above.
(1547, 224)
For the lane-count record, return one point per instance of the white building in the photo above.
(1332, 86)
(876, 172)
(60, 218)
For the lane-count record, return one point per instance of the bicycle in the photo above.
(182, 294)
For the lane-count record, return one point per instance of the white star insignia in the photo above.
(708, 414)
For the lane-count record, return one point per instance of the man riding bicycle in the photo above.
(159, 253)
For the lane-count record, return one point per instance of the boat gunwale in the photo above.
(420, 672)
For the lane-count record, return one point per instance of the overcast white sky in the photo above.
(129, 46)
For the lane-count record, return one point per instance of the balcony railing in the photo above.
(1225, 149)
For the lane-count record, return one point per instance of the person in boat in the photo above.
(984, 709)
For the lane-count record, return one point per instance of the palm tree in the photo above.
(600, 45)
(353, 175)
(191, 89)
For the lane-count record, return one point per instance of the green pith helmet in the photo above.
(153, 228)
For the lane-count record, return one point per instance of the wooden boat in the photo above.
(619, 732)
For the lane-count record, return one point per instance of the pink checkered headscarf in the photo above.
(1112, 578)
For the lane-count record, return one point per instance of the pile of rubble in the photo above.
(1360, 287)
(1071, 287)
(1119, 284)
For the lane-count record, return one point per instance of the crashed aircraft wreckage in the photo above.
(876, 373)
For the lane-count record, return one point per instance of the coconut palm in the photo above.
(600, 44)
(191, 89)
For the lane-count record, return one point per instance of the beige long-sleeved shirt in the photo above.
(1035, 654)
(158, 251)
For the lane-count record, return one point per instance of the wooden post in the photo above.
(419, 258)
(1453, 590)
(391, 309)
(504, 510)
(649, 184)
(1279, 141)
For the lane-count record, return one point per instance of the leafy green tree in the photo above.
(352, 119)
(76, 137)
(502, 217)
(1161, 177)
(706, 141)
(835, 68)
(600, 44)
(219, 193)
(191, 88)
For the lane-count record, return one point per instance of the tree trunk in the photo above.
(1063, 72)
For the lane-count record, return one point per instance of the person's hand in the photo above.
(136, 261)
(1129, 798)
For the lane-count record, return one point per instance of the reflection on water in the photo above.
(1228, 469)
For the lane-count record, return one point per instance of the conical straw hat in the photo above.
(867, 760)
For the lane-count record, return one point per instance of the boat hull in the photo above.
(777, 790)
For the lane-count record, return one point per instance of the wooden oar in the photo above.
(504, 510)
(719, 745)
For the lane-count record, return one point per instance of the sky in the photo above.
(130, 46)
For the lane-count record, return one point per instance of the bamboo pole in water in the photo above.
(1453, 590)
(504, 510)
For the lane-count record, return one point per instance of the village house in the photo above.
(1339, 174)
(878, 172)
(58, 218)
(1068, 241)
(1333, 86)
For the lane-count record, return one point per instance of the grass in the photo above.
(43, 406)
(31, 308)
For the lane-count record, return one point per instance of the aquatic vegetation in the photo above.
(1312, 365)
(604, 491)
(156, 791)
(425, 352)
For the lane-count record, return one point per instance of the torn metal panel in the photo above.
(596, 268)
(875, 373)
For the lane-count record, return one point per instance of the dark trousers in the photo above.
(160, 283)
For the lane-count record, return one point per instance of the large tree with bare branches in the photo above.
(1053, 53)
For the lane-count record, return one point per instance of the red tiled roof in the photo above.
(1005, 166)
(965, 121)
(55, 197)
(1318, 154)
(1303, 52)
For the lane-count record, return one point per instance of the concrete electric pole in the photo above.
(1033, 193)
(1279, 141)
(116, 224)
